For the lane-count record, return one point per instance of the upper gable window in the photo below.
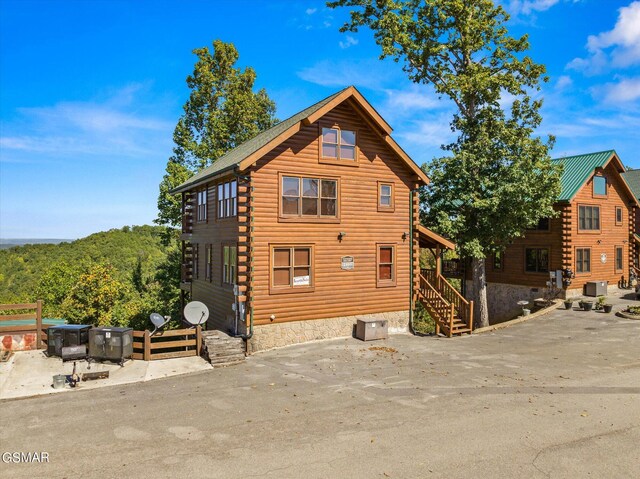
(338, 144)
(599, 186)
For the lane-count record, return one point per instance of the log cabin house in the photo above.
(591, 239)
(310, 225)
(632, 177)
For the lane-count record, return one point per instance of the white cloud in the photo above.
(625, 91)
(623, 41)
(109, 128)
(414, 98)
(369, 73)
(563, 83)
(526, 7)
(432, 132)
(311, 11)
(350, 41)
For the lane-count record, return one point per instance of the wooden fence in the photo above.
(34, 312)
(177, 343)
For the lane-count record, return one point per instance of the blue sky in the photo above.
(90, 91)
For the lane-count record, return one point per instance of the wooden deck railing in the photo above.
(35, 313)
(177, 343)
(463, 307)
(436, 304)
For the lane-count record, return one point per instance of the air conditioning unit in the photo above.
(369, 329)
(596, 288)
(111, 344)
(66, 335)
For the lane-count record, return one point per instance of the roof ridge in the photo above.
(584, 154)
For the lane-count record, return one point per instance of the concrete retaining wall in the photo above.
(275, 335)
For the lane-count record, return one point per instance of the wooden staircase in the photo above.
(451, 312)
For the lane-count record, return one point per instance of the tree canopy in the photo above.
(498, 178)
(222, 112)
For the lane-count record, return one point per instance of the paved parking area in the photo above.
(558, 396)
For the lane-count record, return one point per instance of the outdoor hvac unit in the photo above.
(66, 335)
(112, 344)
(368, 329)
(596, 288)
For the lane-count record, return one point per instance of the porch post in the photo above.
(438, 261)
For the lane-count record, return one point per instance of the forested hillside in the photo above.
(116, 277)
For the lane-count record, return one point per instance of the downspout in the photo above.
(411, 262)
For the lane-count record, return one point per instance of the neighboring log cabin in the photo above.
(591, 239)
(632, 177)
(308, 226)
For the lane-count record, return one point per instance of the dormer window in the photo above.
(338, 144)
(599, 186)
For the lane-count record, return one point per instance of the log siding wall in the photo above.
(336, 292)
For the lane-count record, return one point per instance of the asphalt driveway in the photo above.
(558, 396)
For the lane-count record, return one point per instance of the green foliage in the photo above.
(92, 298)
(498, 178)
(222, 112)
(422, 321)
(117, 277)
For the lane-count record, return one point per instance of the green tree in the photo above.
(498, 178)
(93, 299)
(222, 112)
(54, 286)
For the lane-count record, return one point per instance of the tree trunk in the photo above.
(479, 279)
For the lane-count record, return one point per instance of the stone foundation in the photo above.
(503, 299)
(268, 336)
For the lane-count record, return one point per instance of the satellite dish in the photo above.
(158, 321)
(196, 313)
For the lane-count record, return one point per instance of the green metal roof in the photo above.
(578, 169)
(632, 177)
(235, 156)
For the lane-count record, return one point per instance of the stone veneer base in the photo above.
(503, 299)
(269, 336)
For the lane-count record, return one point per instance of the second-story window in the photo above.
(309, 197)
(589, 218)
(338, 144)
(201, 211)
(385, 196)
(543, 225)
(618, 215)
(227, 199)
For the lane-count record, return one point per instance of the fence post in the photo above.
(147, 345)
(198, 339)
(39, 324)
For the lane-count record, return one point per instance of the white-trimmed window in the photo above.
(201, 210)
(227, 199)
